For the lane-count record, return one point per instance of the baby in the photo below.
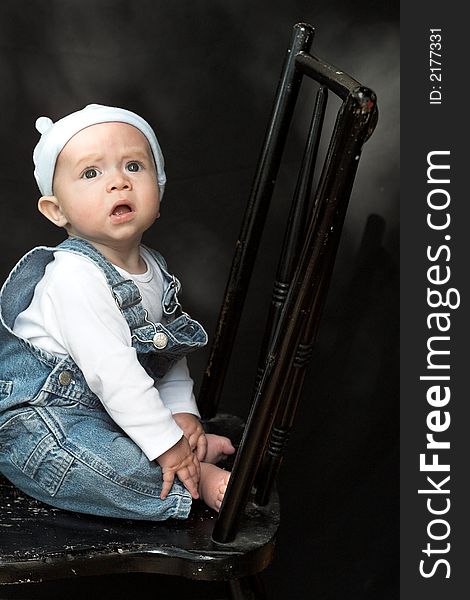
(97, 411)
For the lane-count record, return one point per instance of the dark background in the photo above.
(204, 74)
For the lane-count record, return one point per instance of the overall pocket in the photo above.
(28, 444)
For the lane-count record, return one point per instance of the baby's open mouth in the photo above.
(121, 209)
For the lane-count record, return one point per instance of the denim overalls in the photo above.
(57, 443)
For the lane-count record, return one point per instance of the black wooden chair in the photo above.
(40, 543)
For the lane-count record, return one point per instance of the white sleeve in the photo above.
(80, 312)
(176, 389)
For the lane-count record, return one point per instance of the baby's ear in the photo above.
(49, 206)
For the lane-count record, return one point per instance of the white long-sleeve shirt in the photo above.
(74, 314)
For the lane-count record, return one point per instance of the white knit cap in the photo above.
(54, 136)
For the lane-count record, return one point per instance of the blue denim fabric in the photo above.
(57, 443)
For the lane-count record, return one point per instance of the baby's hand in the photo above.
(194, 433)
(179, 461)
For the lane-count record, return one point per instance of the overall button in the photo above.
(160, 340)
(65, 378)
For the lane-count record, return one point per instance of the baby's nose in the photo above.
(119, 181)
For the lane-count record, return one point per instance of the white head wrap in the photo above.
(54, 136)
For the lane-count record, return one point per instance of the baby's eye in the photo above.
(134, 166)
(90, 173)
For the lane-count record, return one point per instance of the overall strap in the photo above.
(170, 302)
(124, 291)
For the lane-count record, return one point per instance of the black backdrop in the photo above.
(204, 74)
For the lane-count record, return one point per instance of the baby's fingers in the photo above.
(189, 481)
(197, 466)
(168, 478)
(201, 448)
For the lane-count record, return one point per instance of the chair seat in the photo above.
(39, 542)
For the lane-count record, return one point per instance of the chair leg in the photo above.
(247, 588)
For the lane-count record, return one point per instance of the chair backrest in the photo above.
(305, 267)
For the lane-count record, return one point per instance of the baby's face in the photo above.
(105, 183)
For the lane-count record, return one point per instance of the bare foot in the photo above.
(218, 448)
(212, 485)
